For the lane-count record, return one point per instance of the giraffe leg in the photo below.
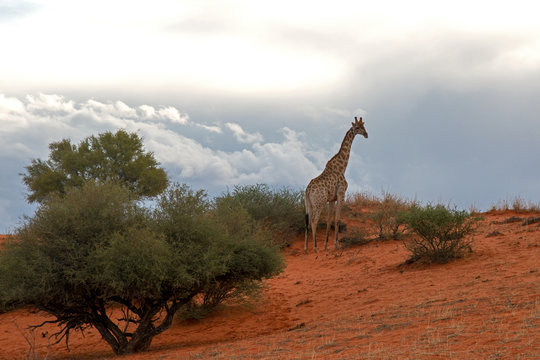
(336, 224)
(307, 229)
(328, 223)
(339, 202)
(314, 231)
(314, 223)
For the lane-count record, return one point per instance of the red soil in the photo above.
(359, 303)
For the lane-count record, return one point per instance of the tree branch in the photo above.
(127, 304)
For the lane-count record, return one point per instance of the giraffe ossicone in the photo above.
(330, 187)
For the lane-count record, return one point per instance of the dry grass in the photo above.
(32, 353)
(517, 205)
(379, 213)
(363, 200)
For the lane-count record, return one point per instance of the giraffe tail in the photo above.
(308, 208)
(306, 231)
(308, 211)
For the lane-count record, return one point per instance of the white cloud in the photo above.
(285, 162)
(211, 128)
(172, 114)
(44, 118)
(242, 136)
(49, 103)
(10, 105)
(28, 125)
(165, 113)
(147, 111)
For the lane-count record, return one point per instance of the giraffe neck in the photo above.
(339, 162)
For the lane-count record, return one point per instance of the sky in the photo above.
(226, 93)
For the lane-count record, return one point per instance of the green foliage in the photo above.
(238, 233)
(385, 217)
(96, 248)
(441, 232)
(181, 205)
(280, 212)
(109, 157)
(232, 214)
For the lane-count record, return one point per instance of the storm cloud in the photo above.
(240, 92)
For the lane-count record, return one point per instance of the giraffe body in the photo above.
(330, 187)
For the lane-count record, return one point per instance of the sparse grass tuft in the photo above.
(517, 205)
(362, 200)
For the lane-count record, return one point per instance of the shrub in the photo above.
(354, 237)
(280, 212)
(381, 212)
(96, 249)
(385, 217)
(441, 232)
(234, 216)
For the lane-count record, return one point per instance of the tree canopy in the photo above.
(109, 157)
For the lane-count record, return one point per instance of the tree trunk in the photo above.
(143, 335)
(123, 343)
(136, 344)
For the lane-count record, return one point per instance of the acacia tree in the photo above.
(95, 249)
(116, 157)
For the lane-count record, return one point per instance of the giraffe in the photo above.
(330, 187)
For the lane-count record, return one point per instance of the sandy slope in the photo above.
(359, 303)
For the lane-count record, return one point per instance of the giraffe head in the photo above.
(358, 127)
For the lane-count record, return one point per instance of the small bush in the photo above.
(354, 237)
(385, 217)
(441, 232)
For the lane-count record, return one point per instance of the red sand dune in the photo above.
(358, 303)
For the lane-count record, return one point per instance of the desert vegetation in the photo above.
(360, 302)
(441, 232)
(92, 246)
(379, 216)
(431, 233)
(517, 205)
(386, 215)
(279, 212)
